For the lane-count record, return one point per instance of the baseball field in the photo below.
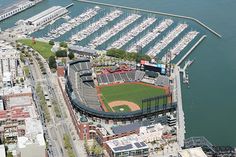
(128, 96)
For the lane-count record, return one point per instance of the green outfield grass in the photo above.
(122, 108)
(43, 48)
(129, 92)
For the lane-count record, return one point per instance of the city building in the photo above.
(18, 106)
(7, 80)
(9, 58)
(127, 146)
(192, 152)
(2, 151)
(33, 143)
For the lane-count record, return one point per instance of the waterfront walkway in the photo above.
(177, 96)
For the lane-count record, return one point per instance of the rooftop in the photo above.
(82, 49)
(15, 90)
(20, 101)
(192, 152)
(126, 128)
(127, 143)
(2, 151)
(44, 13)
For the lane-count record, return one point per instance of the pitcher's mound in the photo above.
(123, 105)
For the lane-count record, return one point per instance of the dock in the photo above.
(194, 46)
(155, 12)
(183, 70)
(70, 5)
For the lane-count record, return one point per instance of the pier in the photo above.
(194, 46)
(70, 5)
(155, 12)
(183, 70)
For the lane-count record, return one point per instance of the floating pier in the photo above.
(70, 5)
(183, 70)
(194, 46)
(154, 12)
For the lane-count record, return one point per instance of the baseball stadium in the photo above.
(121, 92)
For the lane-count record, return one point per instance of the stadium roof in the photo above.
(126, 128)
(82, 49)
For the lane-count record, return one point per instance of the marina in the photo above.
(166, 40)
(114, 30)
(151, 35)
(132, 34)
(93, 27)
(16, 8)
(194, 46)
(172, 53)
(155, 12)
(67, 26)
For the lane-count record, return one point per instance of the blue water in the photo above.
(209, 103)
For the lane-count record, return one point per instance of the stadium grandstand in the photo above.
(81, 79)
(129, 76)
(83, 95)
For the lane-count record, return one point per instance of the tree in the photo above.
(63, 44)
(21, 80)
(51, 42)
(61, 53)
(71, 55)
(52, 62)
(9, 154)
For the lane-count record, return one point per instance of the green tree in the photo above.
(71, 55)
(63, 44)
(52, 62)
(61, 53)
(21, 80)
(51, 42)
(9, 154)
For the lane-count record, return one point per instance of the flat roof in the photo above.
(2, 151)
(127, 143)
(20, 101)
(15, 90)
(126, 128)
(82, 49)
(192, 152)
(44, 13)
(17, 4)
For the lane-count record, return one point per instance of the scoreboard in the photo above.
(161, 68)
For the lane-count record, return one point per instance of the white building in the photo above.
(46, 16)
(131, 145)
(16, 8)
(33, 143)
(192, 152)
(9, 58)
(7, 79)
(1, 104)
(2, 151)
